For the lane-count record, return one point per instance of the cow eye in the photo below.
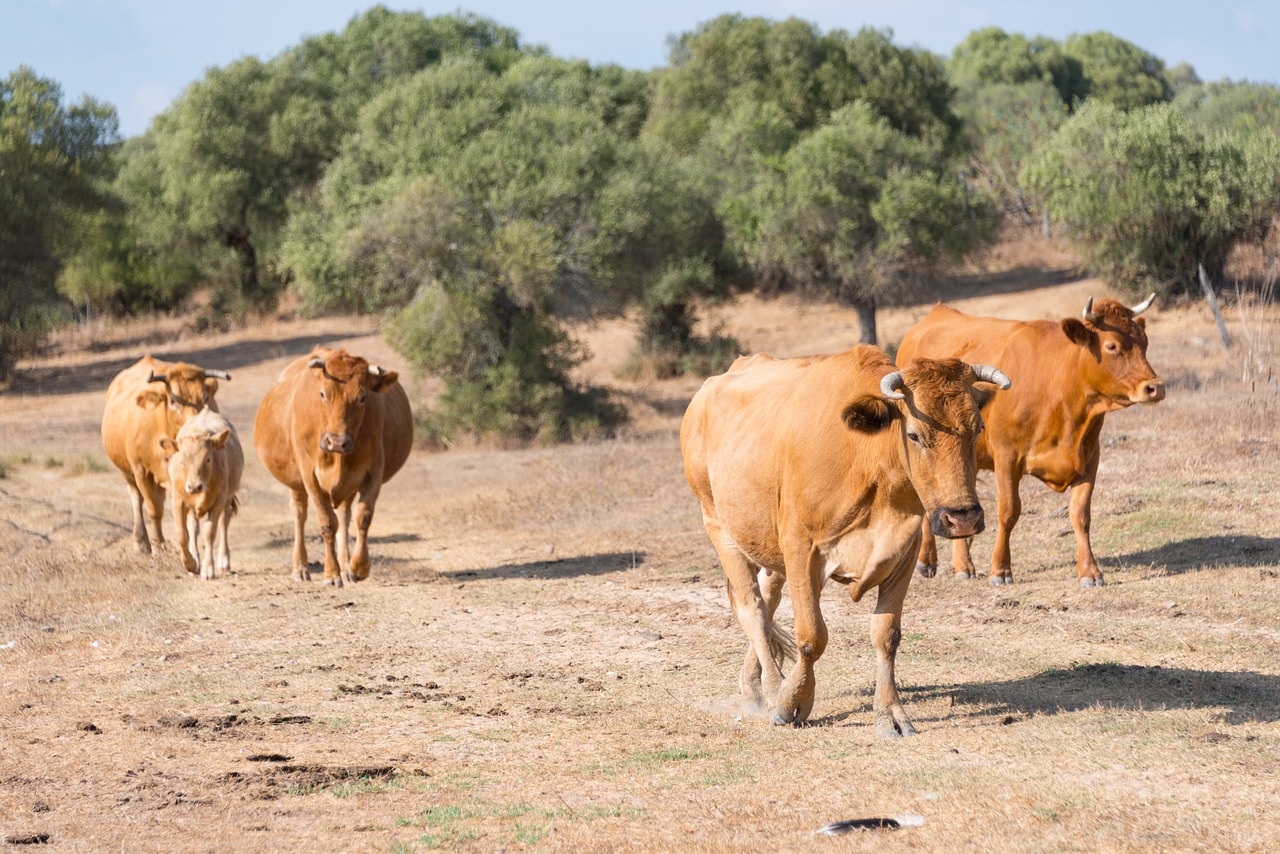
(324, 395)
(913, 436)
(361, 398)
(1112, 347)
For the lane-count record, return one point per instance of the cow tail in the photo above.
(781, 644)
(233, 507)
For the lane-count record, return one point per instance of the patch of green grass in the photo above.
(364, 786)
(913, 636)
(528, 834)
(335, 722)
(87, 464)
(53, 462)
(731, 774)
(672, 754)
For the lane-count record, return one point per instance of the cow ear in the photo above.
(168, 446)
(1078, 332)
(151, 399)
(210, 387)
(1141, 323)
(384, 381)
(868, 414)
(219, 440)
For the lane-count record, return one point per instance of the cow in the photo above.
(147, 401)
(821, 468)
(334, 428)
(1071, 373)
(206, 463)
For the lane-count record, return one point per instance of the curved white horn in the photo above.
(218, 375)
(890, 384)
(1088, 312)
(990, 374)
(1144, 305)
(377, 370)
(317, 362)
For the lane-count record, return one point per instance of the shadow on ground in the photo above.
(572, 567)
(1205, 552)
(1245, 695)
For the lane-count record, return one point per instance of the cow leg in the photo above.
(223, 566)
(759, 684)
(927, 562)
(770, 584)
(886, 632)
(182, 515)
(329, 531)
(1081, 518)
(301, 569)
(795, 697)
(141, 541)
(364, 501)
(153, 497)
(344, 539)
(1009, 504)
(208, 538)
(962, 558)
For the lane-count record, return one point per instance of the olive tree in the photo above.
(1150, 195)
(53, 157)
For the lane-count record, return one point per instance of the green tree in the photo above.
(1149, 195)
(860, 211)
(1005, 123)
(1117, 71)
(484, 207)
(990, 56)
(1233, 106)
(52, 158)
(732, 60)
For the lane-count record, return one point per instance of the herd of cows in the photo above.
(830, 468)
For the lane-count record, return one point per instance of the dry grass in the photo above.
(544, 659)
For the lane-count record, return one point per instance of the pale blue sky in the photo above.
(140, 54)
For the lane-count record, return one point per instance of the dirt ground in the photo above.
(543, 657)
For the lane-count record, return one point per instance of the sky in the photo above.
(140, 54)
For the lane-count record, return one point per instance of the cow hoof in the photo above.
(779, 720)
(302, 576)
(333, 582)
(1087, 582)
(999, 580)
(964, 576)
(925, 570)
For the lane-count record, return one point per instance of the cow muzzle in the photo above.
(194, 488)
(957, 522)
(1150, 391)
(335, 444)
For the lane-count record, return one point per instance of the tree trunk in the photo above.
(237, 239)
(1044, 224)
(866, 308)
(1209, 296)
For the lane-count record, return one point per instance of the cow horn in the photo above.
(158, 378)
(989, 374)
(377, 370)
(317, 362)
(890, 384)
(218, 375)
(1088, 312)
(1144, 305)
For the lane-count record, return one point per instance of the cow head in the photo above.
(185, 389)
(344, 385)
(1116, 340)
(191, 457)
(939, 411)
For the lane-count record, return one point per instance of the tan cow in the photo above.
(1071, 373)
(334, 429)
(206, 463)
(147, 401)
(821, 468)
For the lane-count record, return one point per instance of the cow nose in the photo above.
(335, 444)
(1153, 390)
(194, 488)
(956, 522)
